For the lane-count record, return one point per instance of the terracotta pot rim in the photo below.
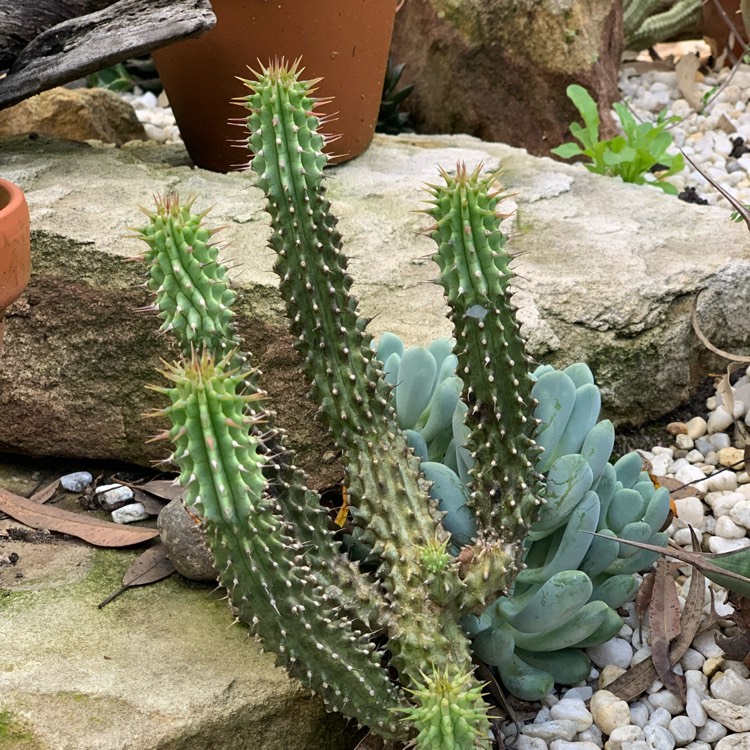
(14, 194)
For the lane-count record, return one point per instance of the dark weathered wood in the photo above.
(20, 22)
(85, 44)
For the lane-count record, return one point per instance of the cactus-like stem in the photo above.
(644, 28)
(492, 361)
(389, 500)
(192, 285)
(267, 572)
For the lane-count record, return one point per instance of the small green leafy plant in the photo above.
(642, 147)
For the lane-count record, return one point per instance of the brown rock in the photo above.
(677, 428)
(75, 114)
(185, 541)
(511, 63)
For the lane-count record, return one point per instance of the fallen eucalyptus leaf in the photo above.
(91, 530)
(152, 566)
(46, 493)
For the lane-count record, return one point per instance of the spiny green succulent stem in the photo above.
(643, 27)
(388, 498)
(191, 284)
(492, 361)
(267, 572)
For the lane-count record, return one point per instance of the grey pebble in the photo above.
(130, 513)
(77, 481)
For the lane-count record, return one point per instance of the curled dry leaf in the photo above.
(639, 678)
(91, 530)
(664, 627)
(46, 493)
(152, 566)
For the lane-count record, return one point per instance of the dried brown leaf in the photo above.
(639, 678)
(678, 490)
(165, 489)
(664, 626)
(91, 530)
(152, 566)
(685, 69)
(153, 505)
(46, 493)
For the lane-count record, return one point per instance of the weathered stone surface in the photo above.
(607, 274)
(77, 114)
(511, 63)
(186, 543)
(159, 667)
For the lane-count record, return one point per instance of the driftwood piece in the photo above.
(74, 48)
(20, 22)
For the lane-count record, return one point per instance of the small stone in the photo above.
(717, 545)
(616, 651)
(592, 734)
(719, 440)
(692, 660)
(705, 642)
(733, 458)
(736, 718)
(722, 503)
(712, 665)
(711, 731)
(697, 745)
(690, 511)
(722, 481)
(567, 745)
(185, 541)
(728, 529)
(689, 474)
(524, 742)
(113, 496)
(77, 481)
(729, 686)
(551, 730)
(719, 420)
(609, 674)
(740, 513)
(694, 706)
(660, 717)
(658, 738)
(696, 428)
(608, 711)
(684, 442)
(734, 742)
(623, 736)
(639, 714)
(677, 428)
(682, 729)
(736, 666)
(573, 709)
(584, 693)
(664, 699)
(130, 513)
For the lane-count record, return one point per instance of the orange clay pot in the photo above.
(15, 248)
(345, 42)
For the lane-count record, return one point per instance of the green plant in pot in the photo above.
(392, 649)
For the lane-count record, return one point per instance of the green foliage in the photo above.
(114, 78)
(391, 119)
(630, 156)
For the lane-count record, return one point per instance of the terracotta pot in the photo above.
(15, 248)
(344, 41)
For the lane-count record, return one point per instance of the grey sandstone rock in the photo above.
(159, 667)
(607, 274)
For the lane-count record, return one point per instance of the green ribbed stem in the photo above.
(390, 502)
(266, 572)
(191, 284)
(492, 361)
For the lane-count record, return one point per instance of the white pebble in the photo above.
(639, 713)
(719, 420)
(551, 730)
(696, 428)
(728, 529)
(658, 738)
(729, 686)
(711, 731)
(608, 711)
(573, 709)
(615, 651)
(130, 513)
(722, 481)
(113, 496)
(664, 699)
(682, 729)
(717, 545)
(740, 513)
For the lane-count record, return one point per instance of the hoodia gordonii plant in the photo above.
(342, 632)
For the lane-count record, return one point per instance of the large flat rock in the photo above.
(607, 274)
(159, 668)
